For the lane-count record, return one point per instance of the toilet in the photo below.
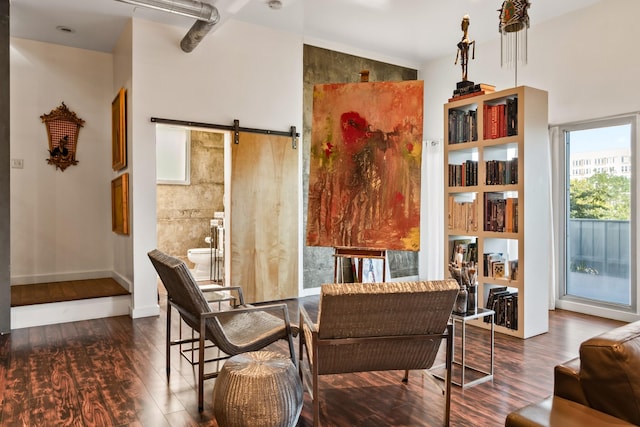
(203, 258)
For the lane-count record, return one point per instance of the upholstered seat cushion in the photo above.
(555, 411)
(243, 330)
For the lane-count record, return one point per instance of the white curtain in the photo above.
(432, 212)
(556, 194)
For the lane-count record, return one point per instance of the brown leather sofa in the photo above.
(601, 387)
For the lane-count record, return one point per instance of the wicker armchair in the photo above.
(377, 327)
(239, 329)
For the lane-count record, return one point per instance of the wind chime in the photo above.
(514, 23)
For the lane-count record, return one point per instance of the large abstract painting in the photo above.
(365, 165)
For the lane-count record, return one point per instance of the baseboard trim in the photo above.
(153, 310)
(123, 281)
(61, 277)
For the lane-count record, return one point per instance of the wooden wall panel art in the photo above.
(119, 131)
(120, 204)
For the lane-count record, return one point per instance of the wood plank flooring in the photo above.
(41, 293)
(111, 372)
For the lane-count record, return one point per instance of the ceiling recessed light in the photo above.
(64, 29)
(275, 4)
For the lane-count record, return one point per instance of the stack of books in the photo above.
(500, 120)
(504, 302)
(500, 214)
(471, 90)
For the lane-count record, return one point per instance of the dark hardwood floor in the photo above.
(70, 290)
(111, 372)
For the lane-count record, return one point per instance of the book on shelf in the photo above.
(512, 116)
(472, 89)
(500, 120)
(512, 312)
(505, 305)
(463, 126)
(497, 269)
(467, 95)
(472, 253)
(500, 214)
(489, 262)
(508, 215)
(491, 299)
(491, 200)
(462, 215)
(501, 172)
(463, 175)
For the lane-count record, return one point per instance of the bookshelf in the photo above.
(496, 202)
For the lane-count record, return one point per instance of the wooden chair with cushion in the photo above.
(240, 329)
(377, 327)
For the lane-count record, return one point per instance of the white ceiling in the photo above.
(412, 30)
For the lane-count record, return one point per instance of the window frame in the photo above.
(561, 187)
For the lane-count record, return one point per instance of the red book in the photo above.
(485, 121)
(494, 120)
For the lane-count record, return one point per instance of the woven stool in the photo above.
(257, 389)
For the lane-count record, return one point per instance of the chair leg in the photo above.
(405, 379)
(292, 351)
(168, 343)
(300, 357)
(316, 402)
(449, 365)
(201, 366)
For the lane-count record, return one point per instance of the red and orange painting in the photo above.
(365, 164)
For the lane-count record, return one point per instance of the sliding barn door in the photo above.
(264, 217)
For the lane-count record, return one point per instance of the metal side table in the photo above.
(484, 375)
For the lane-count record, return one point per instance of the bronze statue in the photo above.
(463, 48)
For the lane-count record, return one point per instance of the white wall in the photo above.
(241, 71)
(122, 248)
(60, 221)
(585, 62)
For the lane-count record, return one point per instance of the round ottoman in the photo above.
(257, 389)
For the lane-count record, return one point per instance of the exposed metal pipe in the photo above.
(206, 14)
(198, 31)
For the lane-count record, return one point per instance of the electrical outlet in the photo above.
(17, 163)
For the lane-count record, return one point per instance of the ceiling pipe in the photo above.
(206, 15)
(197, 32)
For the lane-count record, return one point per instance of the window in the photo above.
(597, 217)
(173, 147)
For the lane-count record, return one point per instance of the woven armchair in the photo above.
(377, 327)
(241, 328)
